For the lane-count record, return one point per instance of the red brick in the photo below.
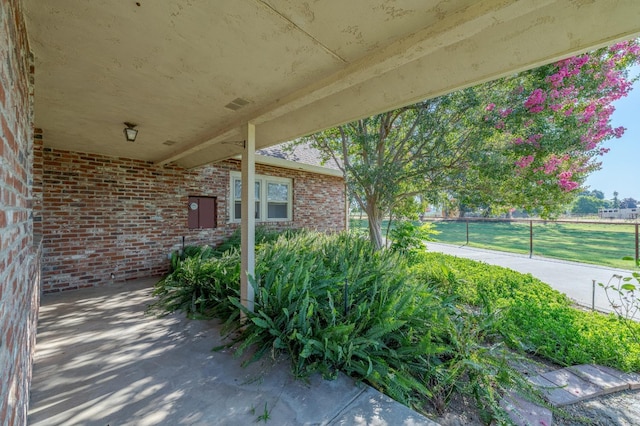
(2, 95)
(144, 214)
(19, 285)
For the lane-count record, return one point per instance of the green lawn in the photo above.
(600, 244)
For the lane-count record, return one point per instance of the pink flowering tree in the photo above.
(526, 141)
(551, 123)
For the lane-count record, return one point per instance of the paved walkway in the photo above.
(572, 278)
(101, 361)
(568, 386)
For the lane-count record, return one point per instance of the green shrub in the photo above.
(479, 366)
(418, 332)
(200, 285)
(332, 303)
(570, 336)
(202, 278)
(407, 237)
(624, 298)
(262, 235)
(534, 317)
(476, 283)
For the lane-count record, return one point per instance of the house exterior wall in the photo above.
(105, 215)
(19, 253)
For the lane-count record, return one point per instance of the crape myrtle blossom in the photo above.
(536, 100)
(555, 133)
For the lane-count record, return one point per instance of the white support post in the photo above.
(248, 218)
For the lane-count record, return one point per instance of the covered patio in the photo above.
(208, 82)
(100, 360)
(247, 75)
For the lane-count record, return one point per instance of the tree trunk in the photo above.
(375, 226)
(386, 234)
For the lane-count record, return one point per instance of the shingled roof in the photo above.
(299, 153)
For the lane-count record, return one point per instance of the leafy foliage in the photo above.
(535, 317)
(419, 328)
(332, 303)
(587, 205)
(527, 140)
(593, 193)
(569, 336)
(263, 235)
(477, 283)
(479, 366)
(200, 284)
(406, 236)
(624, 298)
(628, 203)
(626, 292)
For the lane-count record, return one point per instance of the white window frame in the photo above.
(264, 182)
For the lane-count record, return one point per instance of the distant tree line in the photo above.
(589, 202)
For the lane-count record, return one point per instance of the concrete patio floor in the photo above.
(100, 360)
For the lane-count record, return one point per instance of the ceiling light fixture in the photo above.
(130, 132)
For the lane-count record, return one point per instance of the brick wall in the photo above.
(104, 215)
(36, 188)
(19, 254)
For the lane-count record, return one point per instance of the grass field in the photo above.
(599, 244)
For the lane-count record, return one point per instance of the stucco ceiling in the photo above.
(172, 66)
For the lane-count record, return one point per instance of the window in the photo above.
(202, 212)
(277, 200)
(273, 197)
(237, 196)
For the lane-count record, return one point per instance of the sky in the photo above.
(621, 165)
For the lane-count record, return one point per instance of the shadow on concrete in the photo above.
(100, 360)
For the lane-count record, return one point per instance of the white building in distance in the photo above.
(619, 213)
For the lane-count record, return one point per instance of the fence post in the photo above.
(593, 295)
(530, 239)
(636, 237)
(637, 246)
